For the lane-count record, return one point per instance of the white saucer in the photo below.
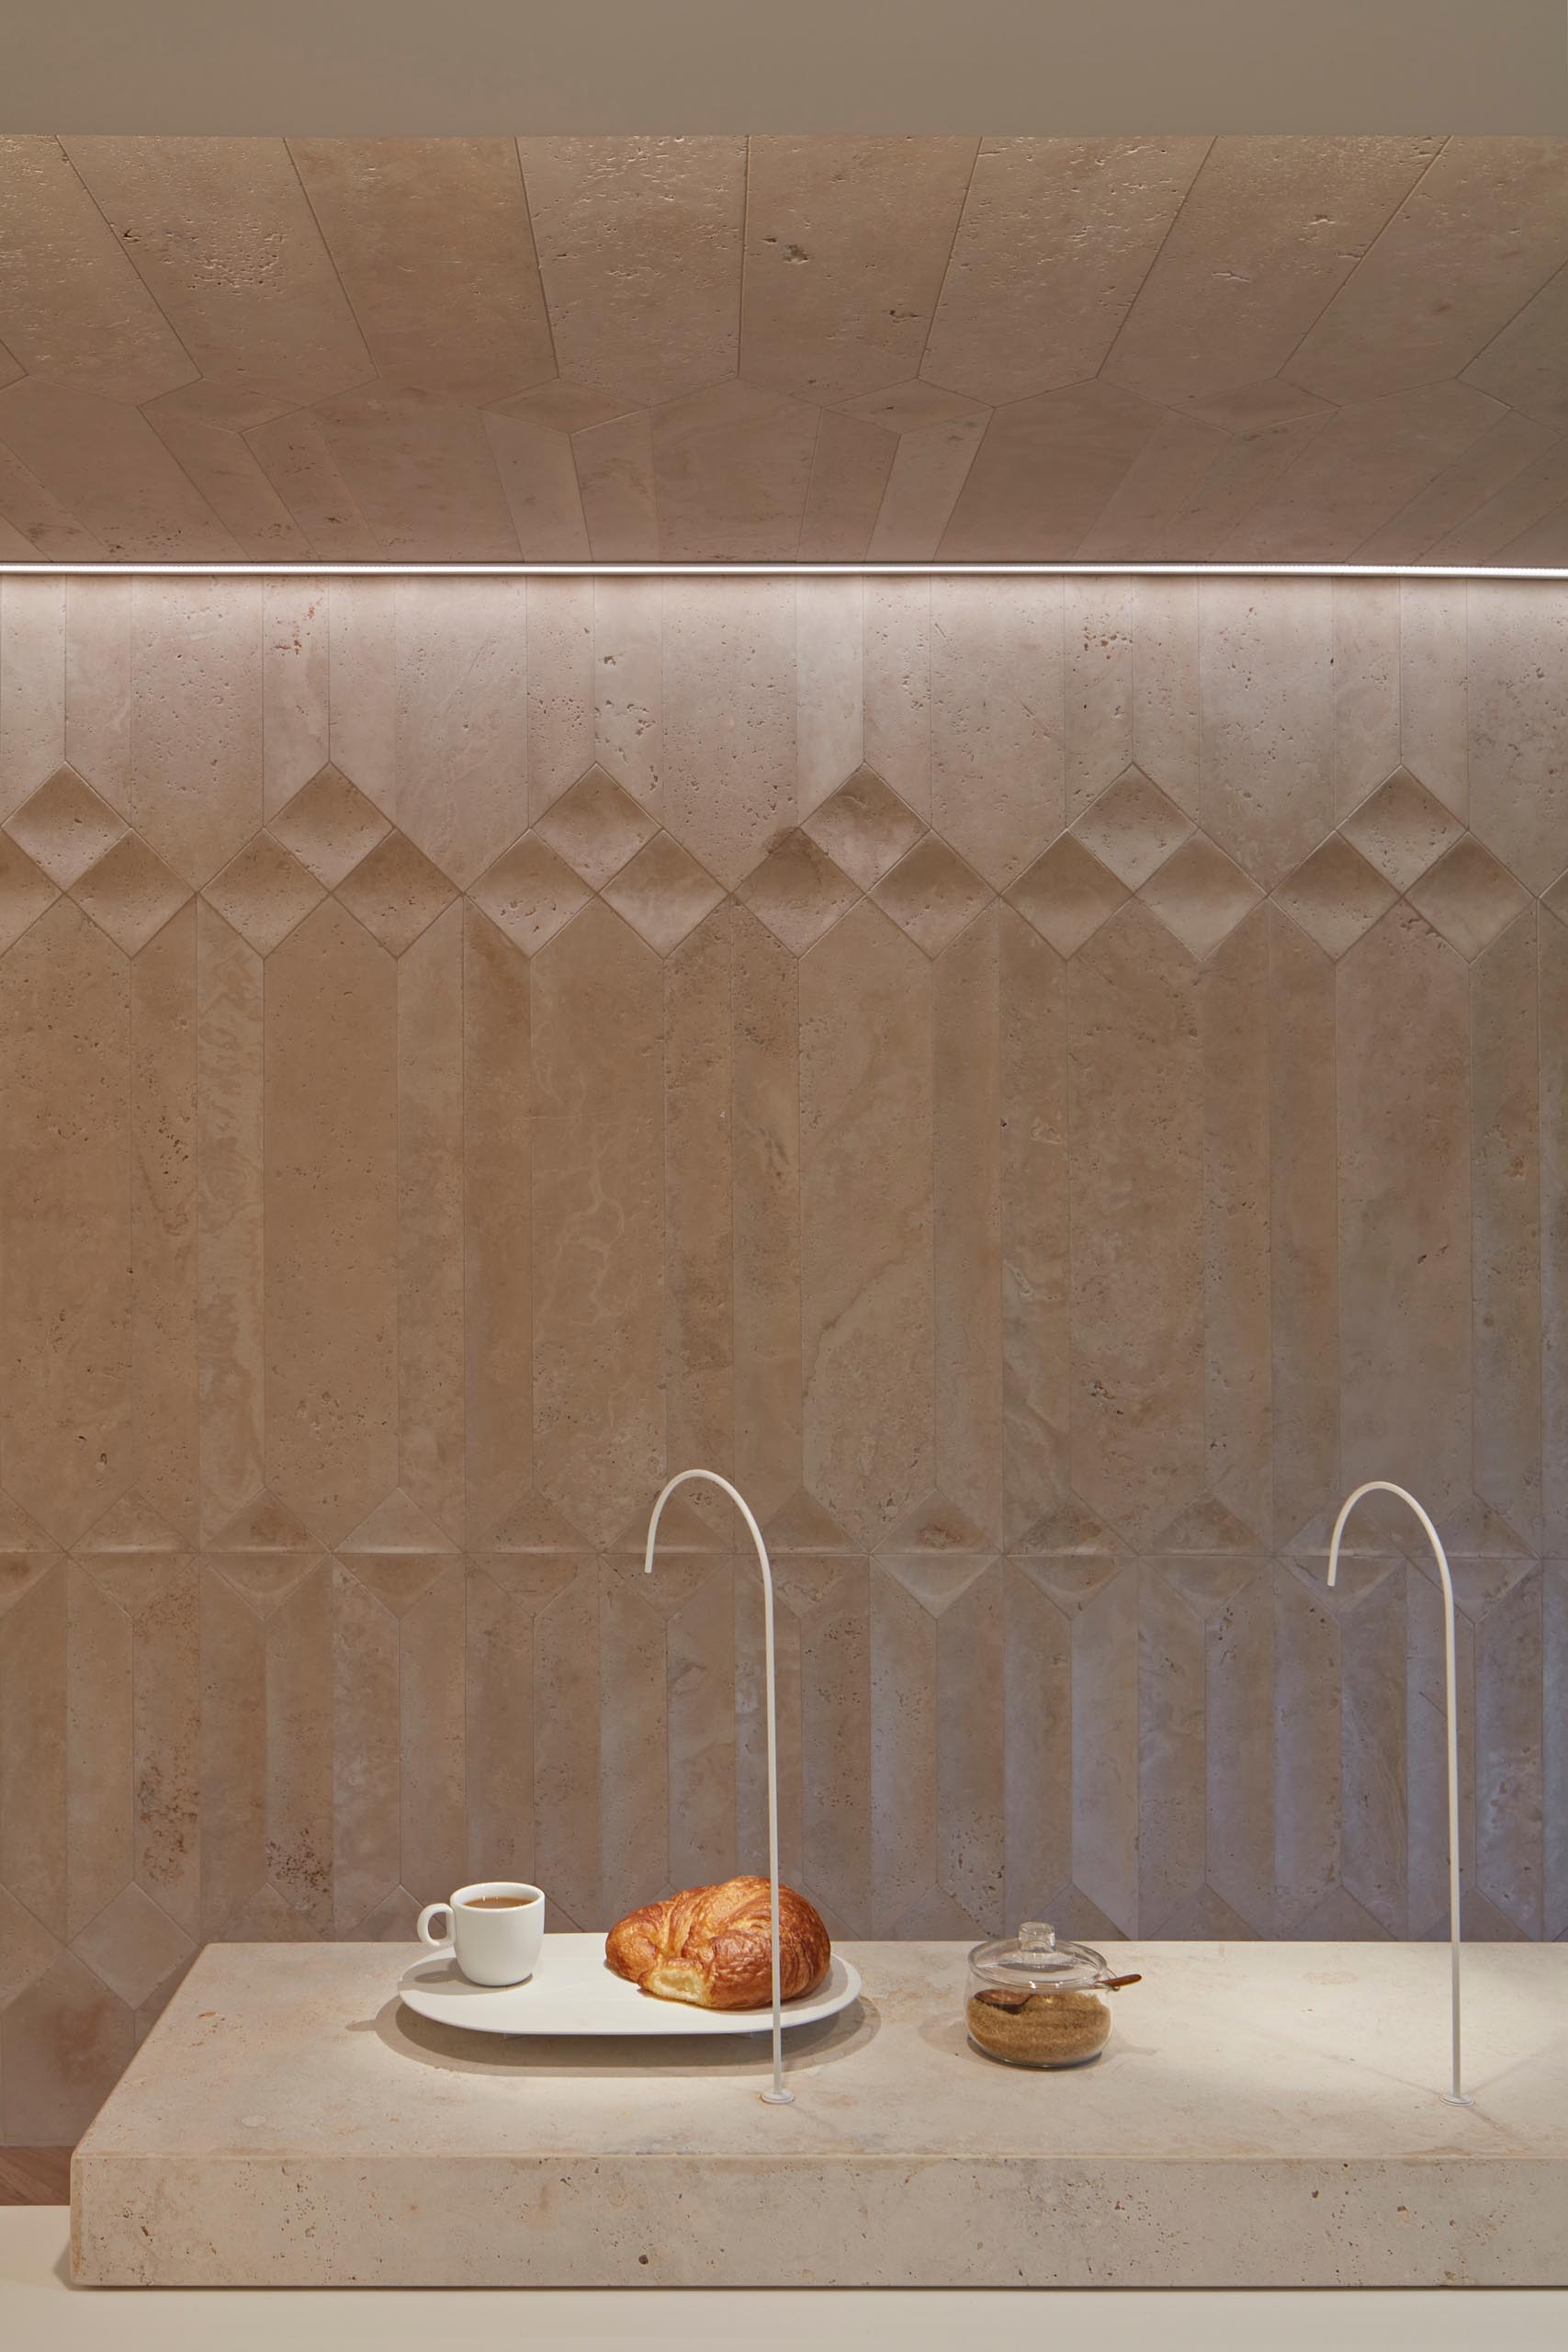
(573, 1991)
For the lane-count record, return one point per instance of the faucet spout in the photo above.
(1385, 1487)
(776, 2095)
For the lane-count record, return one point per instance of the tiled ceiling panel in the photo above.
(822, 349)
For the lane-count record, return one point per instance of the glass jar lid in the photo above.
(1035, 1961)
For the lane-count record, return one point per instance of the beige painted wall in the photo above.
(381, 66)
(1131, 1106)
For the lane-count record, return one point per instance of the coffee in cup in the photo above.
(495, 1929)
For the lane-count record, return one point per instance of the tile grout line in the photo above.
(740, 273)
(810, 476)
(1158, 255)
(120, 242)
(1411, 192)
(538, 269)
(196, 377)
(338, 279)
(917, 374)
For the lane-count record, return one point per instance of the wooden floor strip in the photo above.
(35, 2176)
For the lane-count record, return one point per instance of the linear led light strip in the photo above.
(797, 570)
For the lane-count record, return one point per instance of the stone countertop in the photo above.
(289, 2121)
(39, 2307)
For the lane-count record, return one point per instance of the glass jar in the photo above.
(1032, 2001)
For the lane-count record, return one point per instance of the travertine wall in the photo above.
(1129, 1107)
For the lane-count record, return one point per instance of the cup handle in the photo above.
(422, 1930)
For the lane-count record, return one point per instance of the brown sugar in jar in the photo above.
(1033, 2002)
(1040, 2028)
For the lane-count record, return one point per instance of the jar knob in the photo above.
(1036, 1941)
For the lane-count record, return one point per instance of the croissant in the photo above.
(710, 1946)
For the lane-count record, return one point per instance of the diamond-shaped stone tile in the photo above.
(134, 1945)
(805, 1525)
(133, 1554)
(1203, 1916)
(137, 1582)
(675, 1583)
(1335, 895)
(263, 1917)
(66, 2039)
(27, 1949)
(20, 1533)
(1556, 898)
(399, 1580)
(1067, 895)
(1206, 1526)
(935, 1525)
(803, 1581)
(932, 894)
(533, 1524)
(936, 1579)
(1133, 828)
(530, 893)
(864, 828)
(396, 893)
(263, 892)
(64, 827)
(264, 1527)
(799, 892)
(19, 1573)
(1379, 1528)
(663, 893)
(1072, 1579)
(1200, 894)
(1070, 1530)
(25, 891)
(267, 1579)
(1208, 1585)
(1402, 828)
(330, 825)
(131, 893)
(1468, 897)
(129, 1525)
(597, 827)
(694, 1520)
(394, 1919)
(1474, 1531)
(398, 1524)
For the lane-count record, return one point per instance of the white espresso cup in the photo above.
(496, 1927)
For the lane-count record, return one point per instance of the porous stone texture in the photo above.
(1044, 1082)
(783, 348)
(1262, 2115)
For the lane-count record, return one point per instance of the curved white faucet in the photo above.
(1384, 1486)
(777, 2096)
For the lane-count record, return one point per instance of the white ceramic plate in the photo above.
(573, 1991)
